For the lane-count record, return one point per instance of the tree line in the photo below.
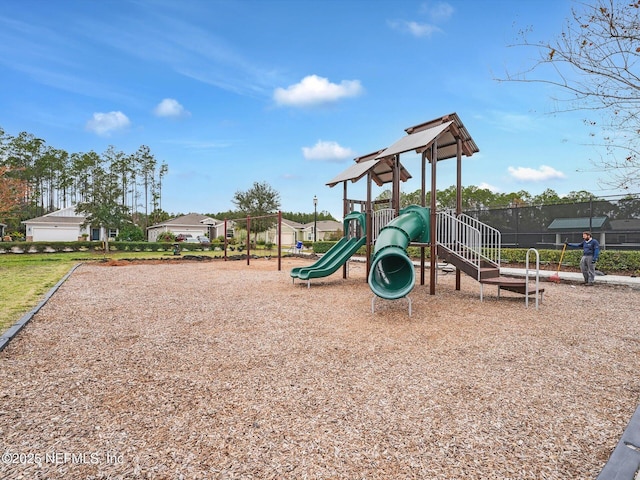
(113, 189)
(477, 198)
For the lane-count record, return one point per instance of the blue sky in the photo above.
(228, 93)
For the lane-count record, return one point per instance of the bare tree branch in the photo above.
(596, 61)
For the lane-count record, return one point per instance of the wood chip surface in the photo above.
(220, 370)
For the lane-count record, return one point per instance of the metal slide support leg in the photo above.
(373, 304)
(481, 287)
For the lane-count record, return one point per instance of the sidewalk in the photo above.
(573, 277)
(568, 277)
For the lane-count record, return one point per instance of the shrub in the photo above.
(130, 233)
(166, 237)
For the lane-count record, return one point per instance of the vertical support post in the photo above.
(458, 192)
(225, 240)
(279, 240)
(396, 183)
(368, 218)
(248, 239)
(433, 232)
(315, 218)
(423, 203)
(345, 212)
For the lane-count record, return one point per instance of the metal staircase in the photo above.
(469, 245)
(474, 248)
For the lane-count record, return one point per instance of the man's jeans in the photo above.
(588, 268)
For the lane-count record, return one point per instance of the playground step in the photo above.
(511, 284)
(485, 271)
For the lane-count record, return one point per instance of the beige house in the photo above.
(192, 224)
(326, 229)
(293, 232)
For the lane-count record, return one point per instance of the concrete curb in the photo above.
(624, 461)
(7, 336)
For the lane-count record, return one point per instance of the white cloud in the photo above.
(105, 123)
(328, 151)
(489, 187)
(544, 172)
(439, 12)
(170, 108)
(414, 28)
(315, 90)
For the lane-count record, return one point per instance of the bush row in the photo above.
(610, 260)
(116, 246)
(44, 247)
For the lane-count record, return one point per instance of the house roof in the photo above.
(53, 220)
(325, 225)
(579, 223)
(625, 224)
(189, 220)
(66, 216)
(292, 224)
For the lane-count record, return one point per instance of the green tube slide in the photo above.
(392, 273)
(337, 255)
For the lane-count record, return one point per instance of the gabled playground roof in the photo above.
(381, 170)
(445, 129)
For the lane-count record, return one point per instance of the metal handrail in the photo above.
(526, 277)
(469, 239)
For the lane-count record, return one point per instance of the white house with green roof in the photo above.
(572, 228)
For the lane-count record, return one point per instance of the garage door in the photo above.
(55, 234)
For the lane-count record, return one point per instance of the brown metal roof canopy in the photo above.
(447, 130)
(381, 170)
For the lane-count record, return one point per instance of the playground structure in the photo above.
(470, 246)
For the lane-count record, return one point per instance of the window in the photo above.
(113, 233)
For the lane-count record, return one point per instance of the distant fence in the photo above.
(614, 221)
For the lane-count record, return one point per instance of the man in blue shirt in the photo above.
(590, 253)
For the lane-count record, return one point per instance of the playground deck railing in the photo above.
(468, 238)
(380, 220)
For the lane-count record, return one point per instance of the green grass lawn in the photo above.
(26, 278)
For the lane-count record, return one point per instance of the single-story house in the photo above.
(65, 225)
(292, 232)
(192, 224)
(325, 229)
(624, 233)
